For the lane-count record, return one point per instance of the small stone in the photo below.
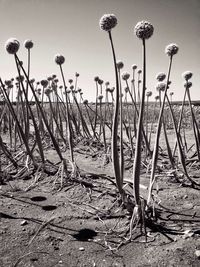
(81, 248)
(197, 253)
(185, 196)
(24, 222)
(60, 262)
(187, 234)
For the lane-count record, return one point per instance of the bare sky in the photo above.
(71, 27)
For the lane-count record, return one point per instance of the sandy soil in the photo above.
(83, 224)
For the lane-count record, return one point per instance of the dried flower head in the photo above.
(187, 75)
(85, 102)
(107, 83)
(139, 71)
(171, 49)
(144, 30)
(149, 93)
(44, 83)
(112, 89)
(47, 91)
(70, 81)
(77, 74)
(20, 78)
(59, 59)
(12, 46)
(107, 22)
(161, 86)
(28, 44)
(100, 81)
(96, 78)
(120, 64)
(187, 85)
(160, 76)
(125, 76)
(134, 67)
(126, 89)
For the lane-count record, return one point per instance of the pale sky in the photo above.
(71, 28)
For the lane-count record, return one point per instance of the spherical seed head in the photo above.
(71, 87)
(161, 76)
(77, 74)
(20, 78)
(139, 71)
(157, 97)
(85, 102)
(187, 75)
(7, 82)
(144, 30)
(12, 46)
(120, 64)
(44, 83)
(100, 97)
(171, 93)
(107, 83)
(134, 67)
(28, 44)
(47, 91)
(126, 89)
(32, 80)
(107, 22)
(187, 84)
(59, 59)
(96, 78)
(160, 86)
(100, 81)
(125, 76)
(171, 49)
(70, 81)
(149, 93)
(112, 89)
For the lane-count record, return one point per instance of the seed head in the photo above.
(77, 74)
(85, 102)
(144, 30)
(47, 91)
(44, 83)
(96, 78)
(134, 67)
(112, 89)
(107, 22)
(59, 59)
(12, 46)
(187, 75)
(160, 86)
(187, 85)
(160, 76)
(171, 49)
(28, 44)
(70, 81)
(126, 89)
(107, 83)
(125, 76)
(100, 97)
(100, 81)
(149, 93)
(120, 64)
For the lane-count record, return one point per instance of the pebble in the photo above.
(197, 253)
(24, 222)
(81, 248)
